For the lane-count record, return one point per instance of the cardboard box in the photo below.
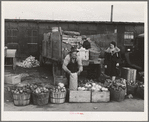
(100, 96)
(79, 96)
(12, 79)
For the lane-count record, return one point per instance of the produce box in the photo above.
(79, 96)
(12, 79)
(103, 96)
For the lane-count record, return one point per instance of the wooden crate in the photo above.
(12, 79)
(100, 96)
(79, 96)
(129, 74)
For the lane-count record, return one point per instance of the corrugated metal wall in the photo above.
(30, 33)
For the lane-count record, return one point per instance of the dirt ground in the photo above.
(43, 75)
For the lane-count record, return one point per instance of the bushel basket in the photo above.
(131, 89)
(21, 99)
(40, 99)
(140, 92)
(57, 97)
(117, 95)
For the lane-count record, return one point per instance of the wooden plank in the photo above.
(80, 96)
(100, 96)
(44, 43)
(14, 63)
(56, 45)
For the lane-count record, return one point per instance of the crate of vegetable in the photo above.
(118, 90)
(79, 96)
(83, 93)
(40, 95)
(58, 94)
(21, 95)
(99, 93)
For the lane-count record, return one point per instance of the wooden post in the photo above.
(111, 13)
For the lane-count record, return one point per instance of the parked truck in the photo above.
(56, 45)
(135, 58)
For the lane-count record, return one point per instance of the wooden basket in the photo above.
(40, 99)
(140, 92)
(57, 97)
(117, 95)
(131, 89)
(94, 55)
(21, 99)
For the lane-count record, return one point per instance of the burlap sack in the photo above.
(73, 82)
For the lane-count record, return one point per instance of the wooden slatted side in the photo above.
(80, 96)
(56, 45)
(100, 96)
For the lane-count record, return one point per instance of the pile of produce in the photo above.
(83, 82)
(97, 87)
(29, 62)
(22, 90)
(141, 84)
(92, 86)
(59, 88)
(38, 89)
(118, 85)
(132, 83)
(107, 83)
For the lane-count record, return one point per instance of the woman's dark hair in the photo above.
(114, 43)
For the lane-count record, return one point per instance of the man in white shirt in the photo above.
(72, 63)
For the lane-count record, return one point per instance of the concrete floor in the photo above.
(43, 75)
(128, 105)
